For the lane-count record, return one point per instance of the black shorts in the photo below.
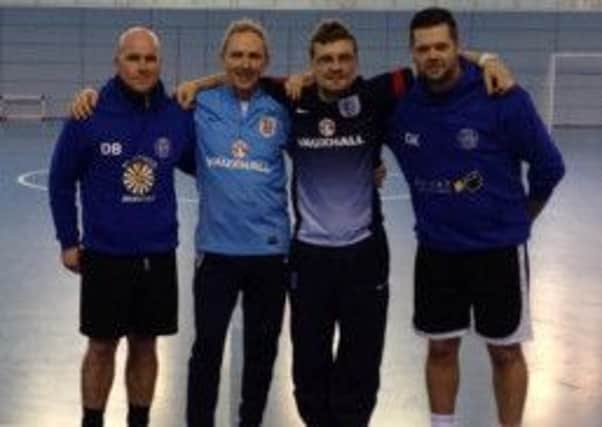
(123, 295)
(488, 287)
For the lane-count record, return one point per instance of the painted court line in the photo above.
(25, 179)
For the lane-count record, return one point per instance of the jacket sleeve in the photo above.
(388, 88)
(275, 88)
(187, 161)
(66, 168)
(531, 141)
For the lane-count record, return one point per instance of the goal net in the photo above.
(573, 92)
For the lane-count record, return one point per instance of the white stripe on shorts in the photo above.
(524, 331)
(442, 336)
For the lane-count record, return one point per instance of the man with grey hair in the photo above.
(243, 233)
(123, 158)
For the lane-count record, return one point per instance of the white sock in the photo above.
(443, 420)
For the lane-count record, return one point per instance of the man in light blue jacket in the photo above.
(243, 232)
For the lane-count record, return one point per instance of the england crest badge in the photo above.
(350, 106)
(267, 126)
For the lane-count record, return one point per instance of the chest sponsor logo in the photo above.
(267, 126)
(412, 139)
(327, 127)
(432, 186)
(350, 106)
(163, 147)
(468, 138)
(341, 141)
(139, 179)
(472, 182)
(300, 110)
(239, 150)
(111, 148)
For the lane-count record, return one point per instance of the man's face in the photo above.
(244, 60)
(435, 54)
(334, 66)
(138, 63)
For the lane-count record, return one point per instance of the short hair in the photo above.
(245, 25)
(131, 30)
(330, 31)
(431, 17)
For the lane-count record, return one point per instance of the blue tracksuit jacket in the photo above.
(242, 175)
(461, 153)
(123, 158)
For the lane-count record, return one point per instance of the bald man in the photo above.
(123, 158)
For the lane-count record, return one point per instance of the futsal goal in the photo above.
(573, 90)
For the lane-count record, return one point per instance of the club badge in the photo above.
(350, 106)
(163, 147)
(468, 138)
(267, 126)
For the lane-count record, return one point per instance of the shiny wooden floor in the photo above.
(40, 349)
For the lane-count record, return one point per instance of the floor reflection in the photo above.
(41, 350)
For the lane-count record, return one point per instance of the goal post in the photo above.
(573, 93)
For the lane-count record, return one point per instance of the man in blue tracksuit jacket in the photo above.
(243, 233)
(461, 152)
(123, 158)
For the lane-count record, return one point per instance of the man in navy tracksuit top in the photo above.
(242, 238)
(123, 158)
(339, 255)
(461, 153)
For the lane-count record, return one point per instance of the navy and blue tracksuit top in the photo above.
(462, 152)
(123, 158)
(335, 147)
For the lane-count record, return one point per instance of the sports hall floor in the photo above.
(40, 349)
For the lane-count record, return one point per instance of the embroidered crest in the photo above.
(267, 126)
(350, 106)
(163, 147)
(412, 139)
(468, 138)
